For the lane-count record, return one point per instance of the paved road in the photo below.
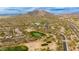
(64, 40)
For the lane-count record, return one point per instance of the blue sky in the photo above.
(21, 10)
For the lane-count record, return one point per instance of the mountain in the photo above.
(40, 13)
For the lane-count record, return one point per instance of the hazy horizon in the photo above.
(22, 10)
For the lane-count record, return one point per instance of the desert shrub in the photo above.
(45, 49)
(2, 33)
(48, 41)
(44, 44)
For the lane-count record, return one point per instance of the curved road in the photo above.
(64, 40)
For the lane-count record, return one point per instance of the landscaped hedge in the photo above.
(37, 34)
(15, 48)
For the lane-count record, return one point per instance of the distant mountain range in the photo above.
(4, 11)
